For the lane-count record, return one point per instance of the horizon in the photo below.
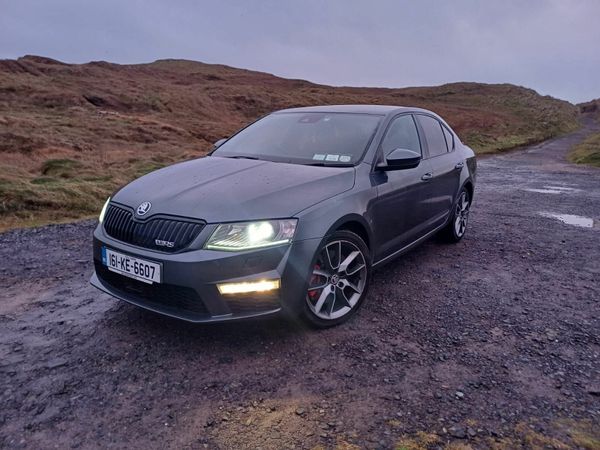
(545, 45)
(291, 79)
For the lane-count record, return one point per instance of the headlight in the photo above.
(249, 235)
(103, 212)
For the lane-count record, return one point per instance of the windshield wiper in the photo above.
(243, 157)
(327, 164)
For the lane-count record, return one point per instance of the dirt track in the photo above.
(494, 341)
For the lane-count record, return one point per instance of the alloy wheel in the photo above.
(338, 280)
(461, 215)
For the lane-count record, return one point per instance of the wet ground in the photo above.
(493, 342)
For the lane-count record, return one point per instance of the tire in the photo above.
(456, 228)
(338, 286)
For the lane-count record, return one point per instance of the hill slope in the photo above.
(70, 134)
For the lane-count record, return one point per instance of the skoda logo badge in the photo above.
(144, 208)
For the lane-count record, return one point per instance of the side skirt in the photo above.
(410, 246)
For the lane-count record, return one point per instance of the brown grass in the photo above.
(561, 434)
(587, 152)
(420, 441)
(71, 134)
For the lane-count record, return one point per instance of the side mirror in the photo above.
(220, 142)
(401, 158)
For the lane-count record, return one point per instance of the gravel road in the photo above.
(491, 342)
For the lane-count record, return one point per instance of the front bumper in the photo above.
(189, 282)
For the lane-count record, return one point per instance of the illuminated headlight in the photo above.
(103, 211)
(248, 287)
(249, 235)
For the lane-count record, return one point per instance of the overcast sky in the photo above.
(552, 46)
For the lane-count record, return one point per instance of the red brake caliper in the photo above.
(312, 293)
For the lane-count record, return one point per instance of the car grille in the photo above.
(162, 297)
(120, 224)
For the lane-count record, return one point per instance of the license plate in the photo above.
(139, 269)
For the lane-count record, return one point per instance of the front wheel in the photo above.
(339, 280)
(457, 225)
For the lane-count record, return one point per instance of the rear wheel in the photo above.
(457, 226)
(339, 280)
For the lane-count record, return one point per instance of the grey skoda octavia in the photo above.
(290, 214)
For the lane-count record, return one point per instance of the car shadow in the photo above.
(132, 323)
(131, 320)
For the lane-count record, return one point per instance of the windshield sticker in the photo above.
(345, 158)
(332, 157)
(318, 157)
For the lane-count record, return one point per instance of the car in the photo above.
(290, 215)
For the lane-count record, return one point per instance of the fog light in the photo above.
(248, 286)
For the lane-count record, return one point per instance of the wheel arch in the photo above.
(468, 185)
(357, 225)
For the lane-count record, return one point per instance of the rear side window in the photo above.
(449, 138)
(436, 142)
(402, 133)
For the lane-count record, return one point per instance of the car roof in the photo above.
(356, 109)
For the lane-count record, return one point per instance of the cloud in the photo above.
(551, 45)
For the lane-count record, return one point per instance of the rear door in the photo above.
(445, 165)
(398, 209)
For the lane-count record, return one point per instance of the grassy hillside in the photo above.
(591, 107)
(588, 152)
(70, 134)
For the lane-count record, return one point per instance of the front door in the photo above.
(398, 211)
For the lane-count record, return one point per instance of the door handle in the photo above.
(427, 176)
(459, 165)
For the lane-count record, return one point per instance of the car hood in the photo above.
(219, 189)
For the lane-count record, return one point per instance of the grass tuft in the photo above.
(63, 168)
(420, 441)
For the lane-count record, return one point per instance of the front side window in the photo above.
(436, 142)
(402, 133)
(304, 138)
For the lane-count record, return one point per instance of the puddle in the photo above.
(571, 219)
(545, 191)
(553, 190)
(563, 188)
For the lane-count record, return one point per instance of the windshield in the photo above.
(304, 138)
